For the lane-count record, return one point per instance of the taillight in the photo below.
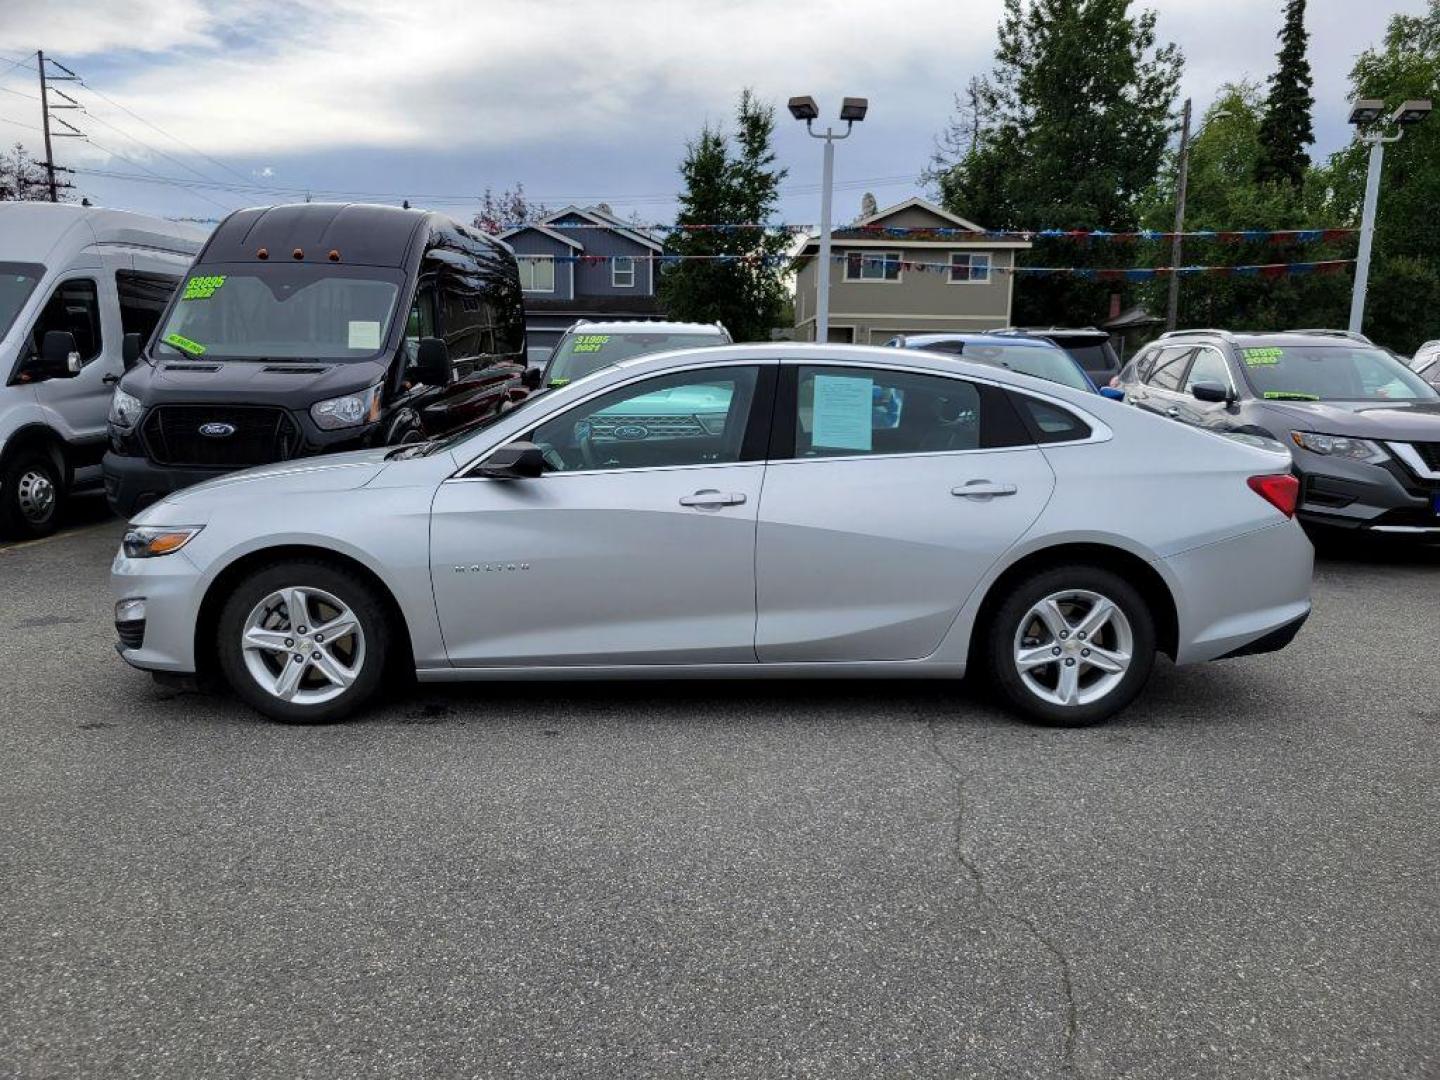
(1280, 490)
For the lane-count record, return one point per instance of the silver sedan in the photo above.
(746, 511)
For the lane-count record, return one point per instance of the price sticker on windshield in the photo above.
(202, 288)
(1266, 357)
(184, 344)
(590, 343)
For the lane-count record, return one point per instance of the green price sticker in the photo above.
(184, 344)
(1263, 357)
(588, 343)
(555, 384)
(202, 288)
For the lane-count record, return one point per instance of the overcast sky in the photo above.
(579, 100)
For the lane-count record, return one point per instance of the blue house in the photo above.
(562, 280)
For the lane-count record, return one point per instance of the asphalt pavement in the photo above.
(1239, 878)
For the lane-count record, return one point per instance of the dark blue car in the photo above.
(1028, 355)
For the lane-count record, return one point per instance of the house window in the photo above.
(537, 273)
(872, 266)
(969, 266)
(622, 272)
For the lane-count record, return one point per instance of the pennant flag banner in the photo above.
(842, 232)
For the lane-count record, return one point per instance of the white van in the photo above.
(74, 282)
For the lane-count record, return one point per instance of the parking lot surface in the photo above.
(1239, 878)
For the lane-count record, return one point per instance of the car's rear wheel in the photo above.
(31, 494)
(1071, 646)
(304, 642)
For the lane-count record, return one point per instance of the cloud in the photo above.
(82, 28)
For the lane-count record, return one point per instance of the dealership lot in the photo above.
(1238, 878)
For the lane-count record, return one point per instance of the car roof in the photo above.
(646, 326)
(1249, 339)
(1056, 331)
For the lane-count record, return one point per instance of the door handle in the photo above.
(1173, 412)
(983, 489)
(709, 498)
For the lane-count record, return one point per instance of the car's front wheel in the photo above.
(304, 642)
(1071, 646)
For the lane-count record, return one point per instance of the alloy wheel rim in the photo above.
(36, 492)
(303, 645)
(1073, 648)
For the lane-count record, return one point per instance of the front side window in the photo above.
(844, 411)
(282, 313)
(1330, 373)
(622, 272)
(580, 354)
(17, 282)
(537, 273)
(969, 266)
(690, 418)
(1209, 366)
(73, 307)
(143, 299)
(872, 266)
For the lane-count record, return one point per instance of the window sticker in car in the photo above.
(364, 334)
(590, 343)
(555, 384)
(184, 344)
(1266, 357)
(202, 288)
(843, 405)
(1290, 395)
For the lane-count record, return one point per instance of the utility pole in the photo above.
(1172, 309)
(45, 114)
(71, 132)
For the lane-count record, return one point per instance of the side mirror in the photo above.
(514, 461)
(1114, 393)
(59, 355)
(531, 379)
(432, 363)
(130, 350)
(1211, 391)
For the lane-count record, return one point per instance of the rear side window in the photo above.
(143, 297)
(1050, 423)
(1167, 372)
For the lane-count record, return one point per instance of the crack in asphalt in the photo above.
(1027, 924)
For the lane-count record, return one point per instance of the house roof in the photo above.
(609, 221)
(917, 203)
(551, 233)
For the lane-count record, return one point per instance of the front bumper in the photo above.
(133, 483)
(171, 587)
(1383, 499)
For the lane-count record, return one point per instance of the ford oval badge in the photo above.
(217, 430)
(631, 431)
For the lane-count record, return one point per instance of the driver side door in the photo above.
(637, 545)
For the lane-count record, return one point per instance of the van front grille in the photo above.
(205, 435)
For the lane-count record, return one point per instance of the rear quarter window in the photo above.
(1050, 423)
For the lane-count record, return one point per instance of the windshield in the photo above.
(1330, 373)
(17, 282)
(1037, 360)
(282, 312)
(579, 355)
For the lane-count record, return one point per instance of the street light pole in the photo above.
(1172, 307)
(851, 111)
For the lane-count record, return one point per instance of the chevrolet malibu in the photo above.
(817, 511)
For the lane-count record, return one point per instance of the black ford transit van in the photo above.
(315, 328)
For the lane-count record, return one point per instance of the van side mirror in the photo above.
(59, 355)
(514, 461)
(531, 379)
(432, 363)
(130, 350)
(1211, 391)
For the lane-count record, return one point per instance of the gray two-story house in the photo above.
(912, 268)
(562, 283)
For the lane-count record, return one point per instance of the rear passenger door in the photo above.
(1162, 386)
(888, 496)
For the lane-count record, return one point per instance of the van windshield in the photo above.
(282, 312)
(17, 282)
(584, 354)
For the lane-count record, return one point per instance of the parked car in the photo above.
(589, 346)
(1088, 345)
(313, 328)
(1363, 429)
(1029, 356)
(963, 517)
(1426, 362)
(74, 280)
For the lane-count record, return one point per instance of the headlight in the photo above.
(125, 409)
(349, 410)
(1340, 446)
(150, 541)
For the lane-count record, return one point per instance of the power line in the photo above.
(17, 123)
(152, 173)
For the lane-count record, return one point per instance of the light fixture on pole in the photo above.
(852, 111)
(1182, 184)
(1363, 113)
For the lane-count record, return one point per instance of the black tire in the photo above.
(28, 509)
(999, 646)
(354, 592)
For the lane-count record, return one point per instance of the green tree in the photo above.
(1285, 131)
(1400, 306)
(727, 182)
(1066, 131)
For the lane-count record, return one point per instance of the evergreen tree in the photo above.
(727, 184)
(1065, 132)
(1285, 131)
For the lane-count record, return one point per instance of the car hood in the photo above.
(1401, 421)
(333, 472)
